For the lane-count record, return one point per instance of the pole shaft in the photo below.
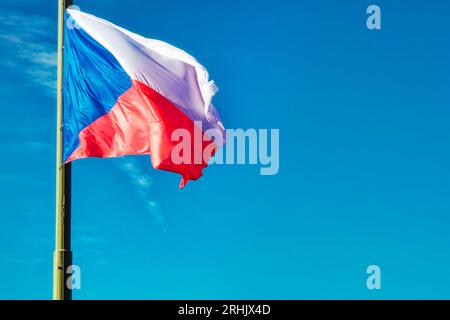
(63, 253)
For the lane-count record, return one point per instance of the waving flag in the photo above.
(125, 94)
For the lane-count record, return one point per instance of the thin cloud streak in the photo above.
(29, 48)
(142, 183)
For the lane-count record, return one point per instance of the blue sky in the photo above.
(364, 160)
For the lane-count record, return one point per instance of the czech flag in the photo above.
(124, 94)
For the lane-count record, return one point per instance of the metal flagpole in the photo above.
(63, 253)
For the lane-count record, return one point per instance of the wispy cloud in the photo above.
(87, 239)
(23, 262)
(93, 245)
(142, 183)
(41, 213)
(30, 48)
(29, 145)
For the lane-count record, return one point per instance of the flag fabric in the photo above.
(124, 94)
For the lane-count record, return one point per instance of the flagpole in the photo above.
(63, 253)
